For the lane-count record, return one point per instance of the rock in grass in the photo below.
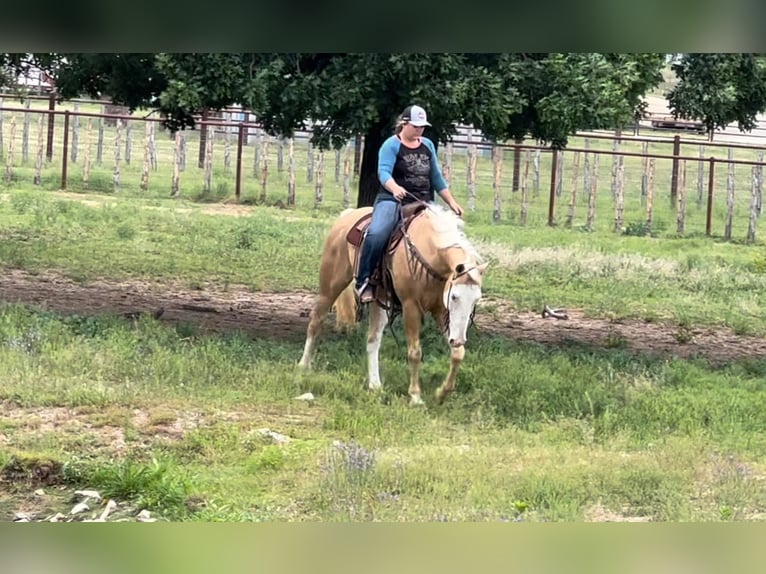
(86, 494)
(79, 508)
(305, 397)
(278, 438)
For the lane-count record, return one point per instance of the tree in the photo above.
(507, 96)
(719, 89)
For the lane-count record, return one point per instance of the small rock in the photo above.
(79, 508)
(278, 438)
(144, 516)
(305, 397)
(39, 492)
(21, 517)
(111, 505)
(88, 494)
(58, 517)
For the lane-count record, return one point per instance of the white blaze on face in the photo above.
(460, 301)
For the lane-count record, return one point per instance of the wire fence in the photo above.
(631, 184)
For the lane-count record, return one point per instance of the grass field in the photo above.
(169, 417)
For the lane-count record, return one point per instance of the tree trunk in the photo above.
(368, 173)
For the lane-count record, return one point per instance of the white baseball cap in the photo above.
(415, 115)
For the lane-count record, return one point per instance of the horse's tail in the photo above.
(345, 308)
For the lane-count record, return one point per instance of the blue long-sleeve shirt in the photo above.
(416, 169)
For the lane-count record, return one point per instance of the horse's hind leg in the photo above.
(332, 282)
(378, 320)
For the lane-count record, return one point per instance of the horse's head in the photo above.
(461, 293)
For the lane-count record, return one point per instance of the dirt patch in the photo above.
(284, 316)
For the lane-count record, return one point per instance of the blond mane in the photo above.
(448, 230)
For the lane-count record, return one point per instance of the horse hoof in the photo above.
(416, 401)
(441, 395)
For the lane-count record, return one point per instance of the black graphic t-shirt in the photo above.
(415, 169)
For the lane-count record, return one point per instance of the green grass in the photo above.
(532, 434)
(168, 418)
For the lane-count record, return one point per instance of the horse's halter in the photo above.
(460, 270)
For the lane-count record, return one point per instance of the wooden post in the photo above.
(117, 154)
(208, 159)
(516, 164)
(153, 146)
(175, 188)
(2, 145)
(615, 166)
(86, 161)
(280, 155)
(471, 176)
(227, 145)
(729, 198)
(592, 193)
(291, 172)
(144, 185)
(753, 206)
(674, 174)
(573, 193)
(100, 142)
(9, 159)
(75, 132)
(240, 145)
(347, 175)
(182, 153)
(524, 196)
(128, 142)
(358, 147)
(554, 179)
(701, 177)
(65, 150)
(318, 189)
(25, 133)
(257, 152)
(559, 171)
(51, 124)
(497, 164)
(536, 178)
(202, 139)
(39, 161)
(586, 169)
(264, 168)
(448, 152)
(644, 169)
(759, 172)
(710, 186)
(337, 165)
(681, 208)
(650, 197)
(310, 163)
(619, 194)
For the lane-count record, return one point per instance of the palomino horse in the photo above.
(434, 269)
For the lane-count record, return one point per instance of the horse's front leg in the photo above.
(412, 321)
(446, 388)
(378, 320)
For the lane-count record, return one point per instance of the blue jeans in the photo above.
(385, 217)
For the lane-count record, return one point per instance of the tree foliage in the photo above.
(546, 96)
(719, 89)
